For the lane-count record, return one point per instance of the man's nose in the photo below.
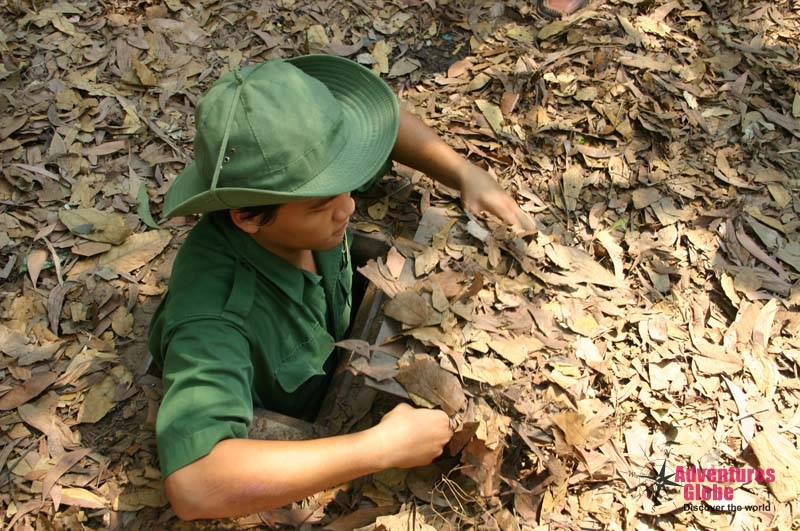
(345, 206)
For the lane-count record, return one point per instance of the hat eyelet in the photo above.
(226, 159)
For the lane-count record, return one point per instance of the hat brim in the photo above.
(371, 119)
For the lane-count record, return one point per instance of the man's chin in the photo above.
(330, 244)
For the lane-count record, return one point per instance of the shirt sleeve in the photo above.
(207, 381)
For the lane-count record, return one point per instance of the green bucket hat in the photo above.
(285, 130)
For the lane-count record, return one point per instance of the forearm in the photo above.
(242, 476)
(422, 149)
(419, 147)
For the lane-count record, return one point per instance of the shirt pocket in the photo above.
(306, 360)
(343, 300)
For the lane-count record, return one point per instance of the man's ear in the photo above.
(249, 225)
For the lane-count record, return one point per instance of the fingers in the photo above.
(524, 221)
(414, 436)
(509, 213)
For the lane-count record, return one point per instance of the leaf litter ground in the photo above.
(652, 321)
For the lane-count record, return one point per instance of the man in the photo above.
(260, 290)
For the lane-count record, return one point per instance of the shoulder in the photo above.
(204, 272)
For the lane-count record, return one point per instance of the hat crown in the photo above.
(286, 130)
(268, 127)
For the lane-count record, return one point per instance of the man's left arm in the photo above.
(421, 148)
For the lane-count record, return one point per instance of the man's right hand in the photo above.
(278, 472)
(411, 437)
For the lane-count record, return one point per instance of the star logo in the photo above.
(658, 482)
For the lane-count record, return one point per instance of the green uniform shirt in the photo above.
(241, 327)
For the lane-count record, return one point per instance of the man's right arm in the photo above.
(244, 476)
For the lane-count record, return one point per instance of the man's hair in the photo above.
(264, 214)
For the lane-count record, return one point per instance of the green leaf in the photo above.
(143, 208)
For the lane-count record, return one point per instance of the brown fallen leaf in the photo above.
(572, 425)
(426, 379)
(101, 397)
(35, 261)
(122, 322)
(390, 286)
(66, 462)
(492, 113)
(775, 451)
(95, 225)
(376, 368)
(395, 262)
(488, 370)
(516, 350)
(462, 436)
(360, 518)
(482, 464)
(90, 248)
(790, 254)
(134, 253)
(403, 66)
(644, 197)
(136, 499)
(81, 497)
(572, 182)
(410, 308)
(581, 268)
(32, 387)
(42, 416)
(426, 261)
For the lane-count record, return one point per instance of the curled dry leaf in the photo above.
(35, 262)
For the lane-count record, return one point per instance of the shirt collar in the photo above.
(286, 277)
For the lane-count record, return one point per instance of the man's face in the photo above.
(310, 224)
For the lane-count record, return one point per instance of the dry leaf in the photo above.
(101, 397)
(426, 261)
(35, 261)
(81, 497)
(572, 182)
(410, 308)
(488, 370)
(30, 389)
(482, 465)
(137, 251)
(92, 224)
(424, 378)
(402, 67)
(581, 268)
(515, 350)
(395, 262)
(572, 424)
(774, 451)
(64, 464)
(136, 499)
(492, 113)
(122, 322)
